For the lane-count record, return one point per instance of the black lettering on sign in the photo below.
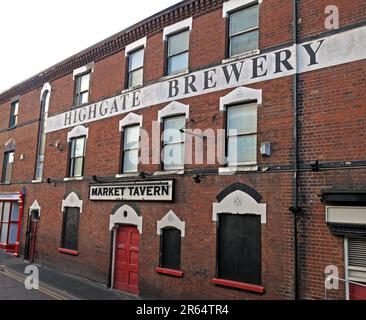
(173, 88)
(189, 84)
(136, 99)
(258, 66)
(150, 191)
(283, 61)
(136, 192)
(156, 191)
(94, 192)
(234, 70)
(209, 82)
(312, 54)
(165, 190)
(67, 121)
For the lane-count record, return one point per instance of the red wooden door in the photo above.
(357, 292)
(127, 259)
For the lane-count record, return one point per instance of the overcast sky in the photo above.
(35, 34)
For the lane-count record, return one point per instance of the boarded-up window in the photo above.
(170, 248)
(70, 231)
(239, 248)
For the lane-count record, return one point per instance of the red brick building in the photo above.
(280, 105)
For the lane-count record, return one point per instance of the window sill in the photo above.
(241, 168)
(127, 175)
(74, 179)
(242, 56)
(174, 75)
(36, 181)
(169, 272)
(132, 89)
(67, 251)
(238, 285)
(167, 173)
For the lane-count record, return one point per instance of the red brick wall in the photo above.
(332, 128)
(312, 14)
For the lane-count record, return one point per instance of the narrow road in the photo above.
(12, 288)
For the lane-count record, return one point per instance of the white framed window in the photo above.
(77, 138)
(173, 119)
(135, 68)
(135, 53)
(242, 134)
(130, 129)
(243, 26)
(82, 77)
(177, 46)
(14, 110)
(131, 137)
(178, 52)
(82, 84)
(173, 142)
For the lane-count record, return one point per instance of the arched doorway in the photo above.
(126, 225)
(34, 217)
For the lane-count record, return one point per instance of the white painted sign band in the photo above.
(334, 50)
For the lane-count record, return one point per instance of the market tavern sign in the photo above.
(334, 50)
(133, 191)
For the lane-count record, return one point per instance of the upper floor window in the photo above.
(135, 68)
(243, 30)
(14, 109)
(242, 134)
(173, 142)
(82, 84)
(7, 167)
(131, 137)
(77, 155)
(178, 52)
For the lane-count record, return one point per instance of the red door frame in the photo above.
(19, 198)
(126, 259)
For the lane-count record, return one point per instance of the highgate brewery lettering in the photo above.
(137, 191)
(337, 49)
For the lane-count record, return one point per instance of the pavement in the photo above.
(53, 285)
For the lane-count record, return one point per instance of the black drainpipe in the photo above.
(295, 209)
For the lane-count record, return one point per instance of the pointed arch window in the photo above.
(45, 97)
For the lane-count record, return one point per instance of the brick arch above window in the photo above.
(239, 199)
(174, 108)
(46, 88)
(241, 95)
(72, 201)
(78, 131)
(170, 220)
(10, 145)
(129, 120)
